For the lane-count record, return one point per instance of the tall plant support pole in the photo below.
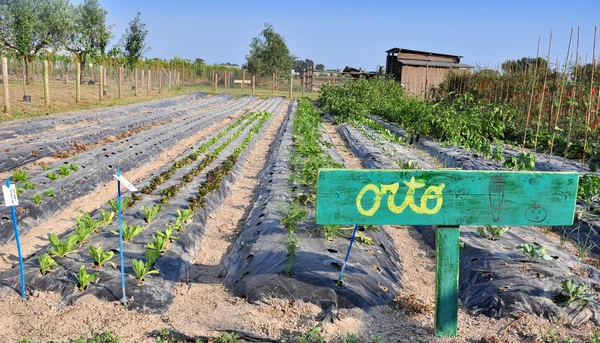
(122, 260)
(253, 83)
(143, 75)
(24, 78)
(5, 84)
(182, 74)
(537, 55)
(589, 106)
(135, 86)
(170, 80)
(539, 120)
(78, 83)
(571, 107)
(291, 85)
(560, 97)
(17, 240)
(100, 83)
(46, 86)
(212, 80)
(243, 79)
(160, 81)
(120, 82)
(148, 84)
(303, 81)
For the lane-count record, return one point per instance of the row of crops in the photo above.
(503, 270)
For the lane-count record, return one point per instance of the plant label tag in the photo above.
(126, 183)
(10, 196)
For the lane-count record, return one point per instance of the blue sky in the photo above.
(357, 33)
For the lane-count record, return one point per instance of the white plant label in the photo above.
(10, 196)
(126, 183)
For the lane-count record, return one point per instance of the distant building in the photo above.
(419, 71)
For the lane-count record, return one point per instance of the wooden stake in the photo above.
(148, 84)
(273, 86)
(253, 83)
(243, 79)
(537, 55)
(46, 86)
(100, 80)
(446, 280)
(291, 85)
(120, 82)
(24, 78)
(78, 83)
(160, 82)
(303, 82)
(5, 84)
(539, 121)
(589, 108)
(212, 80)
(571, 107)
(135, 86)
(143, 75)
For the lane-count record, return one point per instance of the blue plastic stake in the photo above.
(347, 256)
(14, 220)
(121, 237)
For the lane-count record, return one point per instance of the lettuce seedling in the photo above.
(100, 256)
(28, 185)
(84, 227)
(20, 176)
(84, 279)
(59, 248)
(53, 176)
(64, 170)
(37, 199)
(159, 243)
(151, 212)
(73, 167)
(49, 193)
(107, 217)
(493, 231)
(574, 292)
(534, 251)
(125, 203)
(142, 269)
(130, 231)
(46, 263)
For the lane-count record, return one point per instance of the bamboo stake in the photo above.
(571, 107)
(46, 86)
(78, 83)
(148, 84)
(539, 120)
(5, 84)
(120, 82)
(560, 97)
(588, 111)
(160, 82)
(243, 79)
(135, 86)
(24, 78)
(100, 80)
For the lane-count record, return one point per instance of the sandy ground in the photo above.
(203, 304)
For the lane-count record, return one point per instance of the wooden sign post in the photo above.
(446, 199)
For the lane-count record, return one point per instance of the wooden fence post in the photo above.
(291, 85)
(78, 83)
(253, 83)
(143, 74)
(148, 80)
(100, 81)
(273, 86)
(212, 80)
(46, 86)
(5, 84)
(135, 86)
(160, 80)
(216, 81)
(120, 82)
(183, 74)
(243, 79)
(303, 81)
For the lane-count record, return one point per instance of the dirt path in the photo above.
(37, 237)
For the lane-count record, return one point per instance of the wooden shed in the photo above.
(419, 71)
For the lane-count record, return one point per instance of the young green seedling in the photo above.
(19, 190)
(28, 185)
(47, 167)
(100, 256)
(73, 167)
(534, 251)
(142, 269)
(20, 176)
(53, 176)
(61, 249)
(130, 231)
(37, 199)
(291, 244)
(107, 217)
(574, 292)
(492, 232)
(84, 227)
(183, 217)
(64, 170)
(151, 212)
(159, 243)
(125, 202)
(167, 234)
(84, 279)
(46, 263)
(49, 193)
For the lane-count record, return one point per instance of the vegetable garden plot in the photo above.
(35, 125)
(30, 148)
(281, 252)
(55, 189)
(504, 271)
(162, 232)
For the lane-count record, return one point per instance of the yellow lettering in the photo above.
(376, 203)
(431, 193)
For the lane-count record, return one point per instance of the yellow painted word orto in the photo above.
(431, 193)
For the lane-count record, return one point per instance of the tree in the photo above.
(524, 65)
(299, 65)
(269, 54)
(320, 67)
(90, 34)
(28, 26)
(134, 41)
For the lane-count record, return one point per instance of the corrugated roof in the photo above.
(397, 50)
(433, 64)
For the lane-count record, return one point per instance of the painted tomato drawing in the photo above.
(536, 213)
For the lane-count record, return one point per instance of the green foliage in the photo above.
(224, 338)
(523, 161)
(292, 216)
(291, 244)
(64, 170)
(73, 167)
(574, 292)
(37, 199)
(28, 185)
(125, 203)
(84, 279)
(159, 243)
(90, 34)
(100, 256)
(589, 187)
(53, 176)
(492, 232)
(534, 251)
(130, 231)
(62, 248)
(134, 41)
(142, 269)
(49, 193)
(20, 176)
(553, 337)
(595, 337)
(84, 227)
(105, 337)
(46, 263)
(46, 167)
(107, 217)
(168, 233)
(151, 212)
(184, 216)
(269, 54)
(498, 154)
(313, 335)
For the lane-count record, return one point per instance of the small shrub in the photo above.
(84, 279)
(46, 263)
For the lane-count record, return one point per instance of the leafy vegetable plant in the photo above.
(100, 256)
(20, 176)
(159, 243)
(53, 176)
(62, 248)
(492, 232)
(125, 203)
(49, 193)
(73, 167)
(37, 199)
(534, 251)
(84, 227)
(46, 263)
(64, 170)
(130, 231)
(28, 185)
(47, 167)
(291, 244)
(84, 279)
(292, 216)
(184, 216)
(107, 217)
(142, 269)
(151, 212)
(574, 292)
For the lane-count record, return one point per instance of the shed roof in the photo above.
(429, 53)
(433, 64)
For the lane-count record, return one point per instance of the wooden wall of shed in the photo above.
(419, 80)
(426, 57)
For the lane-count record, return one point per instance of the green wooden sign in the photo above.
(446, 199)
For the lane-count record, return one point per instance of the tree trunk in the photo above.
(82, 71)
(28, 69)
